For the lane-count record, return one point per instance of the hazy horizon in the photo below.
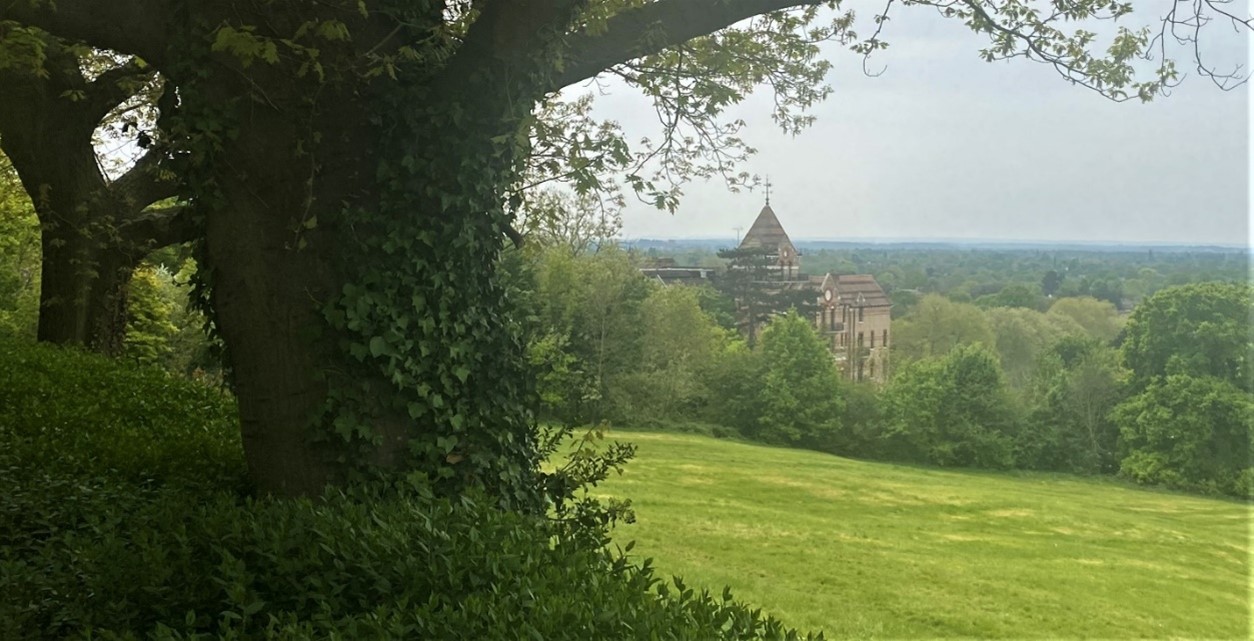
(870, 240)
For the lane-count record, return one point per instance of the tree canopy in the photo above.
(1199, 330)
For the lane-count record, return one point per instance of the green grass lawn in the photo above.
(872, 550)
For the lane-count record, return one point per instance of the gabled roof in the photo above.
(766, 232)
(860, 290)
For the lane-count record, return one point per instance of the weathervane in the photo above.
(768, 191)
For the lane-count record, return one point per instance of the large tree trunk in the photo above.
(268, 287)
(352, 228)
(85, 273)
(360, 312)
(64, 286)
(108, 300)
(68, 192)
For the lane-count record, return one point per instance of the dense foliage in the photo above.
(799, 400)
(1191, 433)
(1068, 426)
(950, 411)
(124, 514)
(1000, 386)
(609, 345)
(1189, 423)
(61, 410)
(1198, 330)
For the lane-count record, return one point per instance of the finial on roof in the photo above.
(768, 191)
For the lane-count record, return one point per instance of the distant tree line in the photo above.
(1029, 278)
(1159, 396)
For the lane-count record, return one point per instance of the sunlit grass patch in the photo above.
(871, 550)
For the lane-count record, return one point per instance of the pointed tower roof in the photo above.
(766, 231)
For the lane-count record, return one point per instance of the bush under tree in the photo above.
(125, 513)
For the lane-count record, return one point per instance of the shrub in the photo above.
(167, 564)
(951, 411)
(62, 408)
(1191, 433)
(121, 517)
(800, 400)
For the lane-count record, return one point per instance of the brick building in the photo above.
(853, 314)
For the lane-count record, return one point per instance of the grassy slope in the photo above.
(873, 550)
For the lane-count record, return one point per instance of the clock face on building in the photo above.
(827, 295)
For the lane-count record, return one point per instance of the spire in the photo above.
(766, 231)
(768, 191)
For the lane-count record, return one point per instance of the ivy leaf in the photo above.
(380, 347)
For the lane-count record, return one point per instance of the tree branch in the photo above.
(145, 183)
(137, 27)
(508, 31)
(652, 27)
(159, 227)
(115, 86)
(515, 236)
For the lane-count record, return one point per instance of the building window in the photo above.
(872, 341)
(885, 341)
(860, 314)
(859, 339)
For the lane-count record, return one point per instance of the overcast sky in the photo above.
(946, 146)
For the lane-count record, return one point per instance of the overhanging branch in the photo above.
(650, 28)
(159, 227)
(508, 30)
(115, 86)
(146, 182)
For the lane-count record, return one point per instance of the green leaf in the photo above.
(380, 347)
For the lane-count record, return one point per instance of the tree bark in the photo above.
(66, 192)
(63, 288)
(108, 301)
(266, 292)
